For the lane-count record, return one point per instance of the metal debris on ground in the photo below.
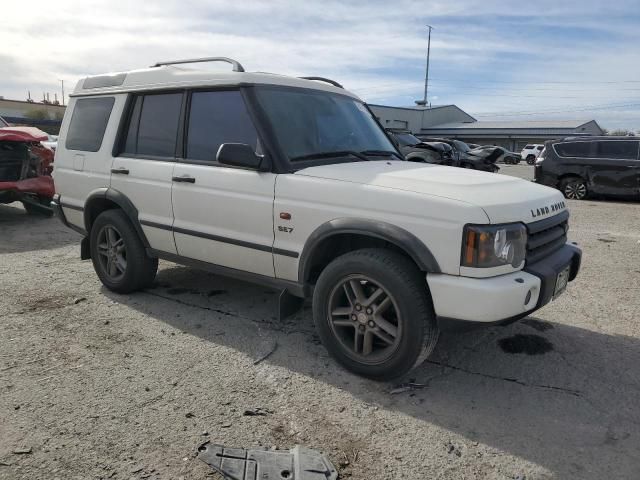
(407, 387)
(299, 463)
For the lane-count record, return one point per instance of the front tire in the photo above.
(531, 159)
(374, 314)
(118, 255)
(574, 188)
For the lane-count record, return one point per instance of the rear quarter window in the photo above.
(573, 149)
(88, 123)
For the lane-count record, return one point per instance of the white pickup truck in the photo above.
(293, 183)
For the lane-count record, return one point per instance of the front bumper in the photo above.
(503, 298)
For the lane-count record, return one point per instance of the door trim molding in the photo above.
(218, 238)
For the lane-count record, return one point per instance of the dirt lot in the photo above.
(98, 385)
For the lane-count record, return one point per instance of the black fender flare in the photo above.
(120, 199)
(400, 237)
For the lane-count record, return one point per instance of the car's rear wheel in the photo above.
(374, 314)
(531, 159)
(118, 255)
(574, 188)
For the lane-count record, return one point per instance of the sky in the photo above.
(496, 59)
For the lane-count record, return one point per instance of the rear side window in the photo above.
(622, 149)
(528, 147)
(539, 148)
(216, 118)
(153, 127)
(573, 149)
(88, 123)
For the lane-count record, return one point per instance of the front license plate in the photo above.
(561, 282)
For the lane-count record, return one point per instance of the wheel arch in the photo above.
(317, 254)
(106, 199)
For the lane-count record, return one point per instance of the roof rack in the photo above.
(322, 79)
(236, 65)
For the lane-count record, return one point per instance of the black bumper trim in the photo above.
(548, 269)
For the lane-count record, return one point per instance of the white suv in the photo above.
(531, 152)
(293, 183)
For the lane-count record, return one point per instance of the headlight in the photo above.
(485, 246)
(539, 160)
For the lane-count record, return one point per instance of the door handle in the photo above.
(121, 171)
(185, 179)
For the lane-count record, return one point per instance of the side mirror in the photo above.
(239, 155)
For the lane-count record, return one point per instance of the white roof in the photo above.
(166, 77)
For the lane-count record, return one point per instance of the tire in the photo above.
(39, 207)
(531, 159)
(377, 353)
(118, 255)
(574, 188)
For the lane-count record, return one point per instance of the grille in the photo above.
(546, 236)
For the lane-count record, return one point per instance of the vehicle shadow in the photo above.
(45, 233)
(559, 396)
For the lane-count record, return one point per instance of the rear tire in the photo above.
(574, 188)
(373, 313)
(118, 255)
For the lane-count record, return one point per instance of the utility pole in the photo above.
(62, 92)
(424, 101)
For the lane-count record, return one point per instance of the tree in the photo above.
(37, 114)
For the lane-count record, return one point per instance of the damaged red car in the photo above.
(25, 168)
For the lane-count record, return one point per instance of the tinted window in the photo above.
(155, 118)
(216, 118)
(528, 147)
(574, 149)
(539, 148)
(624, 149)
(88, 123)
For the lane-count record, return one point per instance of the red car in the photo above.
(25, 168)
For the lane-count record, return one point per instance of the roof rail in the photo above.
(236, 65)
(322, 79)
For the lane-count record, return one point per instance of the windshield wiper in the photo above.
(342, 153)
(381, 153)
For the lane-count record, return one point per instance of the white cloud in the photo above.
(374, 48)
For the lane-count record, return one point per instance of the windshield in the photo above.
(406, 139)
(310, 123)
(3, 123)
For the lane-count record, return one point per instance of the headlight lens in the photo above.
(486, 246)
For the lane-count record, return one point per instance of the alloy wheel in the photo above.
(112, 253)
(365, 319)
(575, 190)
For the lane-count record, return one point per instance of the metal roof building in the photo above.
(452, 122)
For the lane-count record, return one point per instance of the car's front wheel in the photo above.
(118, 255)
(531, 159)
(374, 314)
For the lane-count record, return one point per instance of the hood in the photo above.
(503, 198)
(22, 134)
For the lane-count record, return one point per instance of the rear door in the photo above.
(144, 168)
(614, 170)
(222, 215)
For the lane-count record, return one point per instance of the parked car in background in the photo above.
(25, 168)
(531, 152)
(581, 166)
(415, 150)
(481, 158)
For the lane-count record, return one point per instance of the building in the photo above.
(452, 122)
(46, 116)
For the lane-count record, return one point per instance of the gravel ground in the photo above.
(98, 385)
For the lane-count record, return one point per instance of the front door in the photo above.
(614, 170)
(222, 215)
